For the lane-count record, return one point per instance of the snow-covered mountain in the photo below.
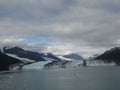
(70, 57)
(38, 60)
(50, 57)
(65, 59)
(24, 60)
(29, 59)
(112, 55)
(23, 54)
(73, 56)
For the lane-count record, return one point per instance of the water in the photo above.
(89, 78)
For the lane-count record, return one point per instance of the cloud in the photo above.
(72, 25)
(21, 42)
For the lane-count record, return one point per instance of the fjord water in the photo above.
(83, 78)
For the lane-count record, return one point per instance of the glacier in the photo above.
(36, 65)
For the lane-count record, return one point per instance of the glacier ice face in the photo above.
(99, 63)
(37, 65)
(66, 64)
(76, 63)
(63, 64)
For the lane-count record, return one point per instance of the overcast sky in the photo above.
(81, 26)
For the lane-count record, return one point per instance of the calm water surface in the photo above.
(83, 78)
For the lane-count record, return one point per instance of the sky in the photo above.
(61, 26)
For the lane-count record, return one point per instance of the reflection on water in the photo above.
(89, 78)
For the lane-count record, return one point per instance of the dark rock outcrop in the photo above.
(6, 61)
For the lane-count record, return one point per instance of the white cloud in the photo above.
(74, 25)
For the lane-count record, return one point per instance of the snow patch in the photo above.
(22, 59)
(66, 59)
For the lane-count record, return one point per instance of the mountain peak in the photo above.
(111, 55)
(113, 49)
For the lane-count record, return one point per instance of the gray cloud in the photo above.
(69, 24)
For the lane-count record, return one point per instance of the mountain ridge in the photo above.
(110, 55)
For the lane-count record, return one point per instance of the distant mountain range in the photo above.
(108, 58)
(35, 56)
(24, 56)
(73, 56)
(68, 61)
(50, 56)
(112, 55)
(17, 56)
